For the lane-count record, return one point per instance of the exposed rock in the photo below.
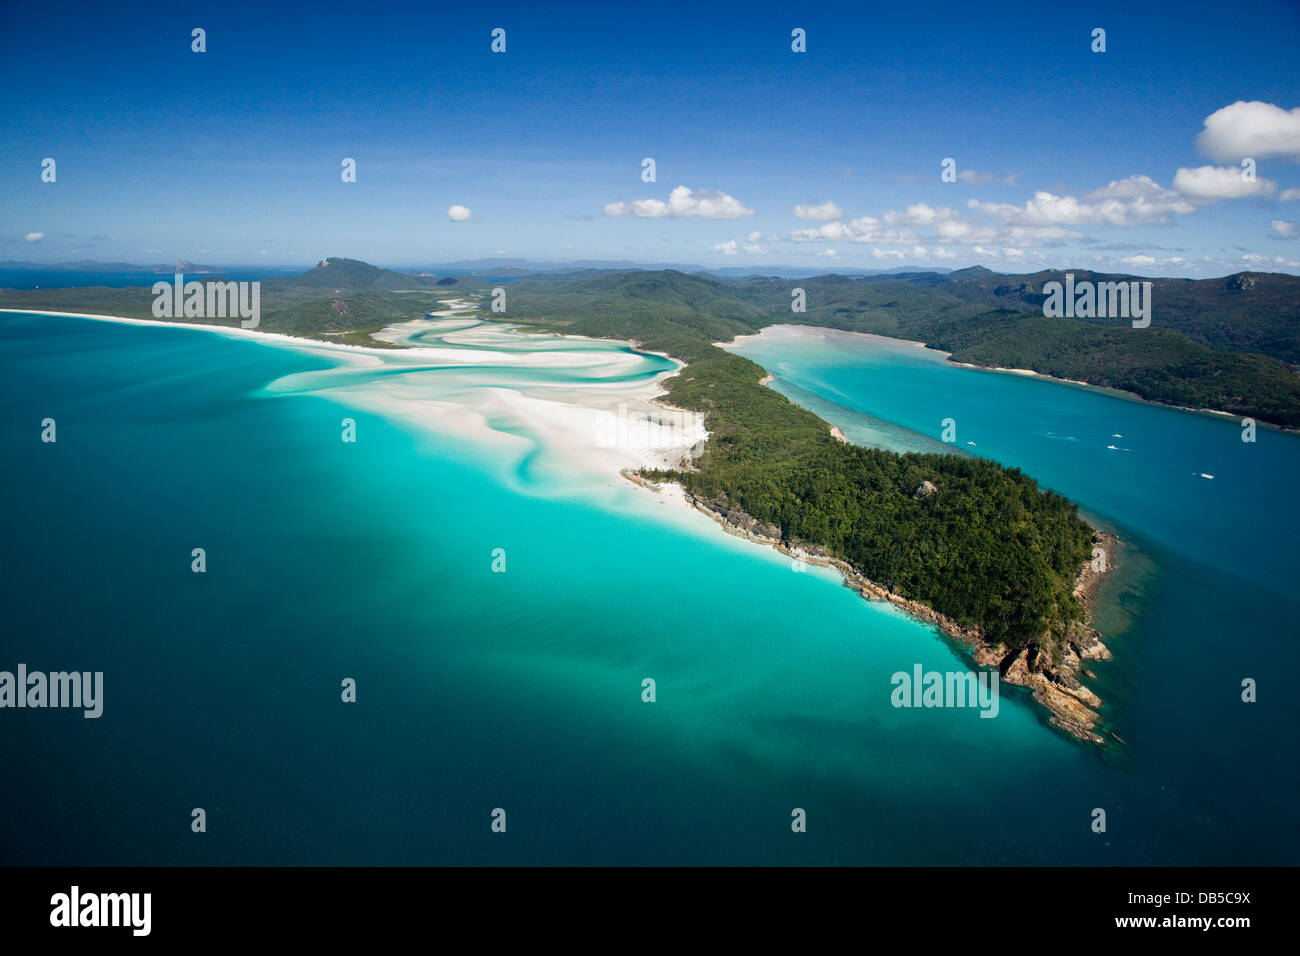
(1095, 650)
(735, 520)
(636, 479)
(924, 490)
(1018, 671)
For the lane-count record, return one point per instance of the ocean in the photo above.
(521, 690)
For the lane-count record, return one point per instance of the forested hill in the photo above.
(1244, 312)
(1229, 344)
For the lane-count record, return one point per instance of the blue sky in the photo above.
(1066, 157)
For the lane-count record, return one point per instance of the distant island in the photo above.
(977, 548)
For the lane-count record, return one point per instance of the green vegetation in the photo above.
(989, 549)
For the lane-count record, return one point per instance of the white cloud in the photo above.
(34, 237)
(917, 252)
(1207, 184)
(1289, 195)
(978, 179)
(1255, 129)
(965, 233)
(683, 203)
(818, 212)
(457, 213)
(1138, 261)
(1285, 229)
(731, 247)
(948, 226)
(920, 215)
(862, 229)
(1123, 202)
(828, 253)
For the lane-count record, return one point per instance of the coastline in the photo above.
(1022, 372)
(1053, 684)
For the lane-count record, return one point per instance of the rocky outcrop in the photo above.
(636, 479)
(1074, 708)
(735, 521)
(924, 490)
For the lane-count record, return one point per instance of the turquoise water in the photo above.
(522, 690)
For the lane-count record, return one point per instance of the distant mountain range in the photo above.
(519, 267)
(487, 267)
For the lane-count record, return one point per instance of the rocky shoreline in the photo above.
(1053, 681)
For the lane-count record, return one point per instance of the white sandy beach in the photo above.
(556, 399)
